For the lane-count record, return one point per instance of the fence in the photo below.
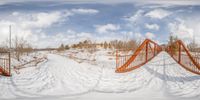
(5, 64)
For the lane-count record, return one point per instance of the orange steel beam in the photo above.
(4, 72)
(156, 50)
(123, 68)
(179, 54)
(146, 51)
(181, 44)
(5, 69)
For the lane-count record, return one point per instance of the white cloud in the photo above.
(31, 26)
(170, 2)
(68, 37)
(164, 2)
(85, 11)
(135, 16)
(133, 21)
(107, 28)
(41, 20)
(4, 30)
(152, 26)
(182, 31)
(158, 13)
(15, 13)
(138, 35)
(149, 35)
(185, 29)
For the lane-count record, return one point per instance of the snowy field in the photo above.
(75, 75)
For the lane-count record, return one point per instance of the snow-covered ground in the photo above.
(82, 76)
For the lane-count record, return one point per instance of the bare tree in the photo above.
(67, 47)
(173, 47)
(21, 46)
(61, 48)
(129, 45)
(105, 45)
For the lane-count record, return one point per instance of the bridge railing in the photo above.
(5, 64)
(188, 60)
(130, 60)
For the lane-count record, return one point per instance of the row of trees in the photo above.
(19, 47)
(92, 46)
(63, 47)
(118, 44)
(192, 46)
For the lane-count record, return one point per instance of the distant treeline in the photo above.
(115, 44)
(20, 46)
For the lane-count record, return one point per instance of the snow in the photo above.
(62, 77)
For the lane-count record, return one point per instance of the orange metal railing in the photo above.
(5, 64)
(182, 56)
(129, 60)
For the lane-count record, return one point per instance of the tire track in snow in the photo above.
(17, 89)
(171, 79)
(37, 96)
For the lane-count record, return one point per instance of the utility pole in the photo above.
(10, 37)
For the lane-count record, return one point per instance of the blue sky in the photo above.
(50, 23)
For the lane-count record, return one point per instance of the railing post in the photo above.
(116, 59)
(146, 51)
(4, 65)
(154, 49)
(179, 55)
(9, 64)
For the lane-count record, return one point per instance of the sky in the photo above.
(50, 23)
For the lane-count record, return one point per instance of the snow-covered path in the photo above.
(64, 78)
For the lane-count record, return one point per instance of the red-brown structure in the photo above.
(188, 60)
(144, 53)
(5, 69)
(149, 49)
